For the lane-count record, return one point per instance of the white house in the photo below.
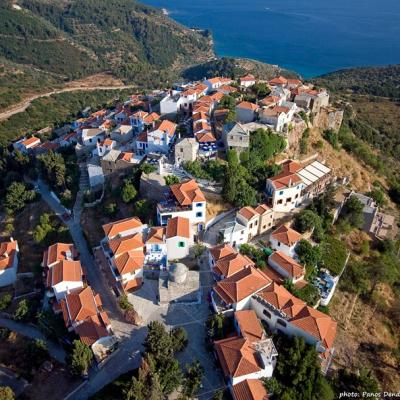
(285, 239)
(234, 293)
(284, 191)
(64, 277)
(104, 147)
(224, 261)
(171, 103)
(249, 217)
(247, 81)
(179, 238)
(95, 174)
(124, 249)
(59, 252)
(122, 134)
(8, 262)
(25, 145)
(159, 139)
(216, 82)
(286, 266)
(285, 313)
(184, 200)
(156, 246)
(246, 112)
(91, 136)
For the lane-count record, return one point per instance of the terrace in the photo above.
(219, 306)
(172, 205)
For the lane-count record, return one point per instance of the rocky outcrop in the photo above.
(329, 118)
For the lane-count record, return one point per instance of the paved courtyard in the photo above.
(190, 317)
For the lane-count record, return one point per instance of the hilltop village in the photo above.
(213, 233)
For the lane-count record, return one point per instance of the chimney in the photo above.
(290, 182)
(5, 254)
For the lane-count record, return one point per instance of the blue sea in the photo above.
(311, 37)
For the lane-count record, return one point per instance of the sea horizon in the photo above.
(306, 36)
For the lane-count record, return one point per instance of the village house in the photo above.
(179, 238)
(122, 134)
(171, 103)
(156, 246)
(64, 277)
(236, 136)
(103, 147)
(91, 136)
(249, 389)
(9, 252)
(248, 222)
(291, 316)
(83, 312)
(159, 139)
(377, 224)
(284, 191)
(224, 261)
(186, 149)
(26, 145)
(116, 160)
(59, 252)
(95, 175)
(123, 247)
(216, 82)
(234, 293)
(285, 239)
(184, 200)
(246, 112)
(286, 266)
(249, 354)
(247, 81)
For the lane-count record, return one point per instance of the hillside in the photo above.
(70, 39)
(376, 81)
(235, 67)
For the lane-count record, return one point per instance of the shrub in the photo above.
(5, 301)
(81, 358)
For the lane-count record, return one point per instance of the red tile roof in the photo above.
(91, 330)
(58, 252)
(178, 226)
(244, 283)
(248, 106)
(237, 357)
(231, 264)
(205, 137)
(8, 251)
(156, 235)
(262, 209)
(167, 127)
(118, 227)
(65, 271)
(294, 269)
(288, 176)
(249, 325)
(79, 305)
(248, 213)
(221, 251)
(280, 80)
(187, 193)
(286, 235)
(249, 389)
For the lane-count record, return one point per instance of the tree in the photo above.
(378, 195)
(36, 351)
(43, 229)
(6, 393)
(332, 137)
(143, 209)
(158, 342)
(218, 394)
(171, 180)
(5, 301)
(353, 211)
(17, 196)
(306, 220)
(333, 254)
(260, 89)
(193, 378)
(81, 358)
(309, 255)
(128, 192)
(179, 339)
(110, 209)
(53, 167)
(147, 168)
(21, 311)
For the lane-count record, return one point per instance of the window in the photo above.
(279, 243)
(280, 201)
(251, 225)
(288, 200)
(181, 244)
(255, 223)
(181, 150)
(199, 215)
(281, 193)
(296, 196)
(267, 313)
(199, 204)
(264, 226)
(281, 322)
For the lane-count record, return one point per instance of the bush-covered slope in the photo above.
(377, 81)
(235, 67)
(74, 38)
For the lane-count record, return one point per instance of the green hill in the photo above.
(376, 81)
(72, 39)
